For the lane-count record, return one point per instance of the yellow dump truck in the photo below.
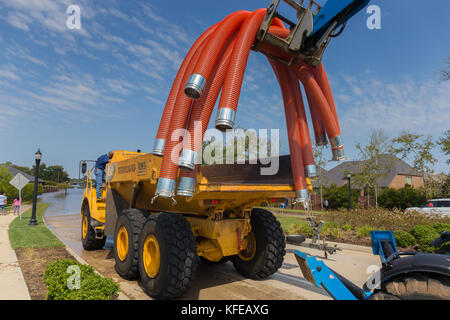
(162, 240)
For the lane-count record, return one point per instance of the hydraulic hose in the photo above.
(319, 131)
(198, 79)
(161, 136)
(233, 82)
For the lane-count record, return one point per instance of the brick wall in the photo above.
(400, 181)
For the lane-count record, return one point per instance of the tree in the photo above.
(338, 196)
(419, 149)
(445, 74)
(11, 192)
(444, 142)
(321, 162)
(371, 168)
(54, 173)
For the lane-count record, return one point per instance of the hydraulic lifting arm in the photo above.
(316, 25)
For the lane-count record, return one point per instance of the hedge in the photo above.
(92, 286)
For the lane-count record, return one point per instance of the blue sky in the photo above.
(77, 94)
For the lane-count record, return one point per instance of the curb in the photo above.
(122, 296)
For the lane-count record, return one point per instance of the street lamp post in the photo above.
(349, 177)
(38, 157)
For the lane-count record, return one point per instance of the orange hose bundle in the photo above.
(217, 62)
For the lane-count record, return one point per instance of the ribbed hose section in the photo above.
(209, 58)
(177, 85)
(319, 130)
(306, 145)
(169, 168)
(321, 105)
(293, 127)
(322, 79)
(235, 76)
(203, 108)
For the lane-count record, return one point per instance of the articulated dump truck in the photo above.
(162, 240)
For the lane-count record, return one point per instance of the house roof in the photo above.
(390, 164)
(15, 171)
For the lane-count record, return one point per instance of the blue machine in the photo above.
(383, 245)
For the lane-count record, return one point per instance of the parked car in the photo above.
(441, 206)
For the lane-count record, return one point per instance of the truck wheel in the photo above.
(168, 256)
(88, 239)
(266, 247)
(126, 242)
(417, 286)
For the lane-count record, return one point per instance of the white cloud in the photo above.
(419, 106)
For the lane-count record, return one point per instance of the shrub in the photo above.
(364, 231)
(92, 285)
(424, 236)
(401, 198)
(404, 239)
(338, 196)
(303, 229)
(441, 227)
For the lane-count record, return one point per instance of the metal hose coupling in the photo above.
(158, 147)
(186, 187)
(165, 188)
(302, 195)
(337, 145)
(322, 140)
(187, 159)
(311, 171)
(195, 86)
(225, 119)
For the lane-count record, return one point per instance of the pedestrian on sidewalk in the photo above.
(3, 202)
(16, 205)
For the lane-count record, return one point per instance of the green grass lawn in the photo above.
(21, 235)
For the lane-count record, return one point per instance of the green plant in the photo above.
(347, 227)
(92, 286)
(424, 236)
(404, 239)
(364, 231)
(302, 228)
(441, 227)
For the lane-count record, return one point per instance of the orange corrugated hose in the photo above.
(306, 146)
(178, 83)
(233, 81)
(322, 80)
(320, 102)
(216, 44)
(204, 107)
(319, 130)
(293, 127)
(211, 52)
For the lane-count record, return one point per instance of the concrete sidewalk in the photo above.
(11, 278)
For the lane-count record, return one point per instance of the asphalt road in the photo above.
(213, 282)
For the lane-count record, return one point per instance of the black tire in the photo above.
(178, 256)
(415, 286)
(90, 243)
(133, 220)
(270, 247)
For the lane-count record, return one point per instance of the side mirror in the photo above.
(83, 167)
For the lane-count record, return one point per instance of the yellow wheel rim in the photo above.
(250, 251)
(84, 227)
(151, 256)
(122, 243)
